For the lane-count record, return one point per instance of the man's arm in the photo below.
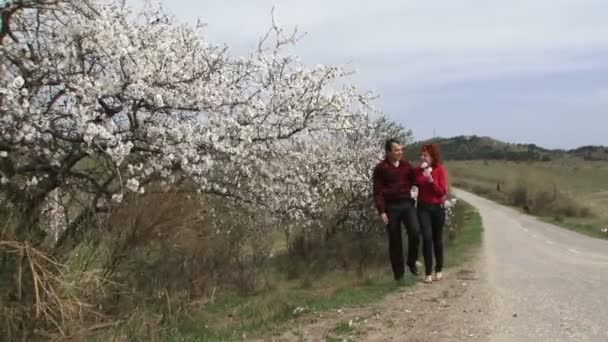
(378, 181)
(412, 175)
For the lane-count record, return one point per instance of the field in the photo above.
(569, 192)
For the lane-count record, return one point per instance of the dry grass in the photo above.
(44, 294)
(572, 192)
(173, 264)
(230, 315)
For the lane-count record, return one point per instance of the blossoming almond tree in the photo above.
(357, 211)
(97, 102)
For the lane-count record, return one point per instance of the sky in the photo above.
(519, 70)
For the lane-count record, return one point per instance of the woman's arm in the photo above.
(440, 186)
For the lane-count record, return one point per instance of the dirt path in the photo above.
(454, 309)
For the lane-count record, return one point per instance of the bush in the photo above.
(542, 203)
(313, 255)
(483, 191)
(539, 194)
(167, 241)
(519, 195)
(569, 208)
(455, 218)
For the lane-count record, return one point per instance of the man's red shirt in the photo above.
(392, 183)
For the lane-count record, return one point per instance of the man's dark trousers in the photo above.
(402, 212)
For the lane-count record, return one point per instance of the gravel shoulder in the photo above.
(453, 309)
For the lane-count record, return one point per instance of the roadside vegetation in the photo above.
(569, 192)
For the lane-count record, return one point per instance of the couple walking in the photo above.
(393, 180)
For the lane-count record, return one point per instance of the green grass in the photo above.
(235, 317)
(343, 327)
(262, 313)
(578, 183)
(469, 237)
(587, 226)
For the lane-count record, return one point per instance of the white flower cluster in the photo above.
(354, 202)
(449, 205)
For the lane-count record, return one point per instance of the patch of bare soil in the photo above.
(453, 309)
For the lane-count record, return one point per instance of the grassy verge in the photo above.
(235, 317)
(586, 226)
(264, 315)
(462, 248)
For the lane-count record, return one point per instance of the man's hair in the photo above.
(388, 145)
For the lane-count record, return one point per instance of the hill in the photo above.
(486, 148)
(591, 152)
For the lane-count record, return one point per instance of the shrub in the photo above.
(569, 208)
(540, 195)
(519, 195)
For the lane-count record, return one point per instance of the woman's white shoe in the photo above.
(438, 276)
(428, 280)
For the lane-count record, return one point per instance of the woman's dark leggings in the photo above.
(432, 218)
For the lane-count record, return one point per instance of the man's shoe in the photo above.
(413, 269)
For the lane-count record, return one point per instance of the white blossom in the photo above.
(32, 182)
(18, 82)
(117, 198)
(158, 100)
(151, 101)
(133, 184)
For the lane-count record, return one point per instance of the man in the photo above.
(393, 180)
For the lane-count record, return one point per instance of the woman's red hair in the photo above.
(433, 151)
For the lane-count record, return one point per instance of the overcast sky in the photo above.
(517, 70)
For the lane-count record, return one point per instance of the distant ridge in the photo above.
(473, 147)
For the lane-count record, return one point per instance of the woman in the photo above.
(432, 189)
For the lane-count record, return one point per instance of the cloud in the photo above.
(412, 51)
(453, 40)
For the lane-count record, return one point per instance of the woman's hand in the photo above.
(428, 175)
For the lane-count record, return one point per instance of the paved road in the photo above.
(548, 283)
